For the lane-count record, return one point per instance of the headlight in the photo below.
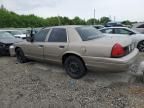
(11, 47)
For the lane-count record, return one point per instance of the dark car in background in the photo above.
(98, 26)
(114, 24)
(6, 40)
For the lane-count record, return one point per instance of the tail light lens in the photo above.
(117, 51)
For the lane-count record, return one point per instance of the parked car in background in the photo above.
(6, 40)
(114, 24)
(139, 27)
(124, 31)
(98, 26)
(16, 33)
(78, 48)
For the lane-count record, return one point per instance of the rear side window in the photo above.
(58, 35)
(88, 33)
(122, 31)
(141, 26)
(41, 35)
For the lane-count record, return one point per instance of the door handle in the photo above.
(61, 46)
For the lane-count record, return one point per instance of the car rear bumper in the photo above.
(111, 64)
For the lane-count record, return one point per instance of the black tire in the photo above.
(141, 46)
(75, 67)
(20, 56)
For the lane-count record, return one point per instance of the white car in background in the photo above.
(139, 27)
(16, 33)
(137, 37)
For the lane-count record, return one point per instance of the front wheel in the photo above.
(20, 56)
(75, 67)
(141, 46)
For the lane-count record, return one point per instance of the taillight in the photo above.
(117, 51)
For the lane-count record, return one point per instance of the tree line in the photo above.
(11, 19)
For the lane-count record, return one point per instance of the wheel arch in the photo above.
(72, 54)
(17, 48)
(139, 42)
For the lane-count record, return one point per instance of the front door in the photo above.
(36, 48)
(56, 45)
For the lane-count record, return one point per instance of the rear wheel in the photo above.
(75, 67)
(20, 56)
(141, 46)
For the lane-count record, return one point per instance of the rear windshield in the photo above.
(88, 33)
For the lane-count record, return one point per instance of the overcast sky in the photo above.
(121, 9)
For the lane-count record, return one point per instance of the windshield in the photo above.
(5, 35)
(15, 32)
(88, 33)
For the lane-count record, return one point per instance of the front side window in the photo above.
(58, 35)
(88, 33)
(41, 35)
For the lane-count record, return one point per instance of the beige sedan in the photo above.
(78, 48)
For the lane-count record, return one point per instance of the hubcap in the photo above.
(74, 67)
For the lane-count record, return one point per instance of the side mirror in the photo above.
(29, 39)
(30, 35)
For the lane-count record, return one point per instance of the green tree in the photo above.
(92, 21)
(127, 22)
(104, 20)
(78, 21)
(11, 19)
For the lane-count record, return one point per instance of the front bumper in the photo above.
(12, 50)
(111, 64)
(4, 50)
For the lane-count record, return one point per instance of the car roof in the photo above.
(114, 27)
(67, 26)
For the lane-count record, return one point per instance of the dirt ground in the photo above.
(41, 85)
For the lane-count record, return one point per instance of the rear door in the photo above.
(57, 44)
(36, 48)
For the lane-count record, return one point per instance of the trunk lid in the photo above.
(102, 47)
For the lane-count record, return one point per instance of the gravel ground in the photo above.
(40, 85)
